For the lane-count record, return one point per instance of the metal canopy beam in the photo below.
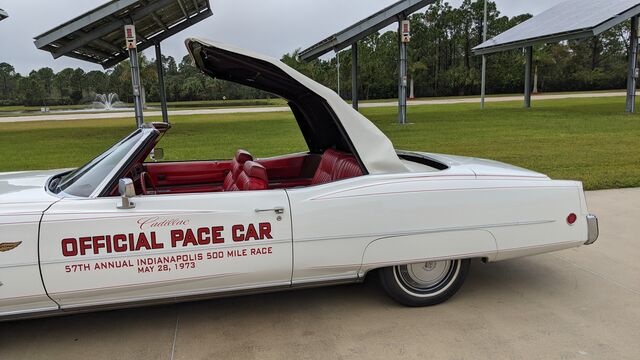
(109, 46)
(97, 37)
(160, 37)
(354, 75)
(183, 9)
(74, 55)
(102, 31)
(364, 28)
(483, 85)
(161, 87)
(534, 42)
(572, 19)
(402, 81)
(527, 76)
(137, 86)
(101, 28)
(350, 37)
(632, 75)
(159, 22)
(83, 21)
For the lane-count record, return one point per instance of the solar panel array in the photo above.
(567, 20)
(98, 36)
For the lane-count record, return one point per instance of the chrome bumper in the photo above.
(593, 230)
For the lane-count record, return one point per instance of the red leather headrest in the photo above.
(255, 170)
(243, 156)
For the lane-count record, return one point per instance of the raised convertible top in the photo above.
(325, 119)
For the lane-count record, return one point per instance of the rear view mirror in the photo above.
(127, 192)
(157, 154)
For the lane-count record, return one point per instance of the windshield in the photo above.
(83, 181)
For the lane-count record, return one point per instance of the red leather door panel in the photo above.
(189, 173)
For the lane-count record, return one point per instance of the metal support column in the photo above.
(402, 88)
(137, 88)
(483, 89)
(338, 70)
(162, 92)
(527, 77)
(633, 66)
(354, 75)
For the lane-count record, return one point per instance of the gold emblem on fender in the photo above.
(4, 247)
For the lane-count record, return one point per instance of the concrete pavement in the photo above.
(251, 110)
(577, 304)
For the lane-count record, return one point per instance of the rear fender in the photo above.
(407, 249)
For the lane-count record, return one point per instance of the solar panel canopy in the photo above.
(571, 19)
(364, 28)
(98, 36)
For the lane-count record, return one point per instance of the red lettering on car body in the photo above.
(189, 238)
(204, 237)
(98, 243)
(155, 245)
(265, 231)
(120, 243)
(176, 236)
(109, 244)
(85, 244)
(237, 233)
(69, 247)
(216, 232)
(142, 243)
(252, 234)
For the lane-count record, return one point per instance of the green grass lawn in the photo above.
(592, 140)
(217, 104)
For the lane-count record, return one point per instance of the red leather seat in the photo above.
(237, 165)
(336, 165)
(347, 168)
(253, 177)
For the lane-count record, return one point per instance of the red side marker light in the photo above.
(571, 219)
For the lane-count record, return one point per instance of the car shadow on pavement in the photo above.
(154, 332)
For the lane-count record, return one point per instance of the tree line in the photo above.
(440, 57)
(183, 82)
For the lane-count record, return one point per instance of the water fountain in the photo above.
(107, 102)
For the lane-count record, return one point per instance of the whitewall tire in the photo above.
(426, 283)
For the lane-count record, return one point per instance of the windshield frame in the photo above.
(147, 133)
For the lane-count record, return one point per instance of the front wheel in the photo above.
(426, 283)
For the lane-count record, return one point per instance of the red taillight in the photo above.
(571, 219)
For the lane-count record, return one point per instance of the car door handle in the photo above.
(277, 210)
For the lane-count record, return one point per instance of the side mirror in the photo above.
(127, 192)
(157, 154)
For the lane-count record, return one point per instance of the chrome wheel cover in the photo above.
(427, 279)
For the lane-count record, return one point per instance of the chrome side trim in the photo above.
(424, 231)
(593, 229)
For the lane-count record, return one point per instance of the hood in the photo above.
(26, 187)
(324, 118)
(485, 168)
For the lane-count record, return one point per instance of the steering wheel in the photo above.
(145, 179)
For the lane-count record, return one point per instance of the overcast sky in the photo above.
(272, 27)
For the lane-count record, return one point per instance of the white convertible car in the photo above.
(121, 231)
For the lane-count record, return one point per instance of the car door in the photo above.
(166, 246)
